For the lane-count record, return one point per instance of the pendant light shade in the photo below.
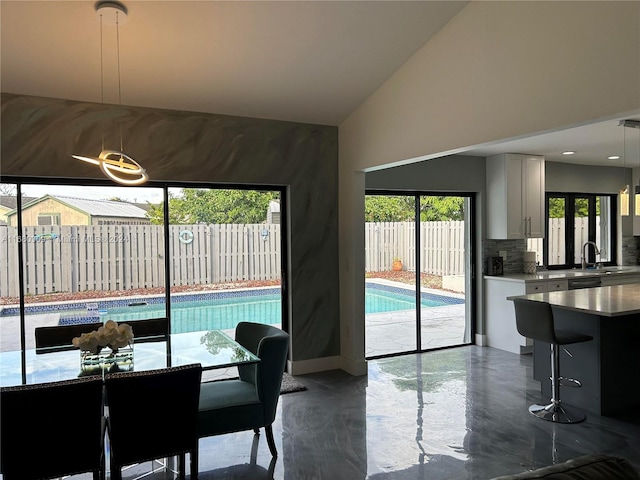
(635, 124)
(624, 201)
(115, 164)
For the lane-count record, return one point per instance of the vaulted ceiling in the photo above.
(302, 61)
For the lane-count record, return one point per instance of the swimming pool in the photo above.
(219, 313)
(381, 299)
(223, 310)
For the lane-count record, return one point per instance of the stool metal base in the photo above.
(569, 382)
(557, 413)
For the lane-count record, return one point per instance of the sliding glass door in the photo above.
(418, 259)
(225, 250)
(206, 258)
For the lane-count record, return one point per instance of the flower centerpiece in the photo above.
(118, 338)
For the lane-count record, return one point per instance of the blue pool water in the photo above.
(378, 300)
(223, 310)
(221, 313)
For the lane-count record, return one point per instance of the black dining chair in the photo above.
(50, 430)
(249, 402)
(152, 415)
(150, 329)
(59, 337)
(535, 320)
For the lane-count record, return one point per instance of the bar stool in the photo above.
(535, 320)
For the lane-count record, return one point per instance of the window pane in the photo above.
(10, 241)
(98, 257)
(580, 229)
(556, 231)
(390, 274)
(225, 258)
(603, 228)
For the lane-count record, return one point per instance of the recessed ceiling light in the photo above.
(568, 153)
(614, 157)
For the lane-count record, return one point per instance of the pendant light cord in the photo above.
(119, 86)
(101, 83)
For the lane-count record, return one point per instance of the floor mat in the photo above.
(290, 385)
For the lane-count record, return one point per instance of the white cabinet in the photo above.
(500, 315)
(515, 196)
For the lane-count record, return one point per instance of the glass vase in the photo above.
(107, 359)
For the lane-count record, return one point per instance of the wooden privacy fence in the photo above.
(442, 246)
(123, 257)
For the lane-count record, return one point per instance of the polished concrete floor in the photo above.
(459, 413)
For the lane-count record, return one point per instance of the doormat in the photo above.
(290, 384)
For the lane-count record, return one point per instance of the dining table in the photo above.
(213, 349)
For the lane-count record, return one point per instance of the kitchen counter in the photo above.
(499, 314)
(613, 301)
(543, 275)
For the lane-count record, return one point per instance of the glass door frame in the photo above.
(470, 263)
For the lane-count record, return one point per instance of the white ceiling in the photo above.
(302, 61)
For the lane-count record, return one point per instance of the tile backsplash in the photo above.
(630, 250)
(515, 252)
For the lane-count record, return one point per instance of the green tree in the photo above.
(556, 207)
(211, 206)
(441, 209)
(386, 208)
(178, 212)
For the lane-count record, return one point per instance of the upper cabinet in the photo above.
(515, 196)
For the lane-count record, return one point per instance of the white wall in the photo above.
(496, 71)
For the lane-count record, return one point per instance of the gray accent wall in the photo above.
(40, 134)
(454, 173)
(567, 177)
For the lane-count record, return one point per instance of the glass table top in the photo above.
(212, 349)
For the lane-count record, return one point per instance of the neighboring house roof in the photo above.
(11, 201)
(95, 208)
(144, 206)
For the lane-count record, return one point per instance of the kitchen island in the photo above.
(608, 365)
(500, 323)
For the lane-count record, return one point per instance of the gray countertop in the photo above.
(543, 275)
(611, 301)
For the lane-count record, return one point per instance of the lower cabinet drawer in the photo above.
(536, 287)
(557, 285)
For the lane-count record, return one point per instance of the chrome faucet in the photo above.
(584, 253)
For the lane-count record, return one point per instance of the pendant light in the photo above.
(115, 164)
(624, 191)
(635, 124)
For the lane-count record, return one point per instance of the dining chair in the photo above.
(151, 415)
(248, 402)
(150, 329)
(59, 337)
(50, 430)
